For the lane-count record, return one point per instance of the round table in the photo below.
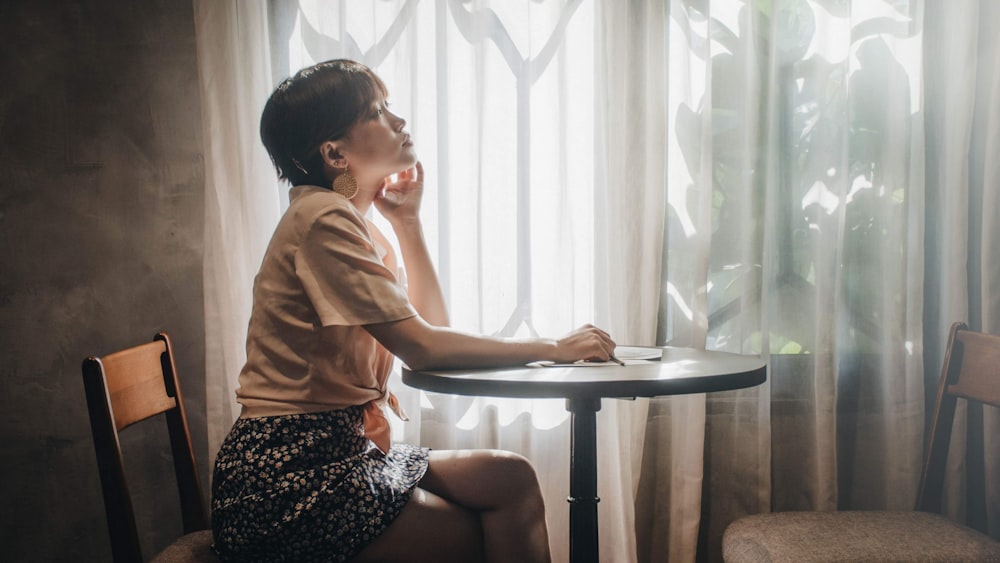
(679, 371)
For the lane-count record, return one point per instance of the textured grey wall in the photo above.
(101, 208)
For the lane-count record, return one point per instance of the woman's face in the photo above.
(377, 145)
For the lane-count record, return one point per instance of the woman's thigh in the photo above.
(429, 528)
(480, 479)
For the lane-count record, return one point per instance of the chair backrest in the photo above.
(971, 371)
(128, 387)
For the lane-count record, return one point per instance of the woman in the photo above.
(307, 472)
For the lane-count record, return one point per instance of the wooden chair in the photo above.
(971, 371)
(128, 387)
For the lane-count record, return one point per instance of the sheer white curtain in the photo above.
(500, 99)
(794, 231)
(241, 195)
(806, 139)
(809, 180)
(827, 183)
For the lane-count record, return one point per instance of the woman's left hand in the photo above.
(399, 200)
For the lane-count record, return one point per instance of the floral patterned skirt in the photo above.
(307, 487)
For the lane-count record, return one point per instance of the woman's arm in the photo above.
(399, 203)
(424, 346)
(423, 286)
(425, 341)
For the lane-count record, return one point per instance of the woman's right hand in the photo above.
(585, 343)
(399, 201)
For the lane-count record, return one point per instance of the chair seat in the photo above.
(854, 536)
(189, 548)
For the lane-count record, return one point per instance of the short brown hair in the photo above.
(318, 104)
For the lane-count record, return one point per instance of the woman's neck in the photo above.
(367, 191)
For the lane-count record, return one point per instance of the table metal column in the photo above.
(583, 499)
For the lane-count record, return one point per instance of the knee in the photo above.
(515, 470)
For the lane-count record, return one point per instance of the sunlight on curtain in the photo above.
(794, 230)
(499, 97)
(241, 197)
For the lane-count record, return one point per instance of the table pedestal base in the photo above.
(583, 499)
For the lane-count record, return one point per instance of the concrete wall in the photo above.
(101, 245)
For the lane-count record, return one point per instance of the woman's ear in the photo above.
(332, 158)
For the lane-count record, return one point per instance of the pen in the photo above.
(616, 360)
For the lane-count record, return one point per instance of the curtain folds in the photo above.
(963, 204)
(241, 199)
(813, 181)
(630, 204)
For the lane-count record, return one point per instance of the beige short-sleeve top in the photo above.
(323, 276)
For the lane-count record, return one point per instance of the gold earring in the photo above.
(346, 184)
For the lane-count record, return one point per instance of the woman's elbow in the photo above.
(419, 355)
(410, 340)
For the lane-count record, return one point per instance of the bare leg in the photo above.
(471, 506)
(502, 487)
(429, 529)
